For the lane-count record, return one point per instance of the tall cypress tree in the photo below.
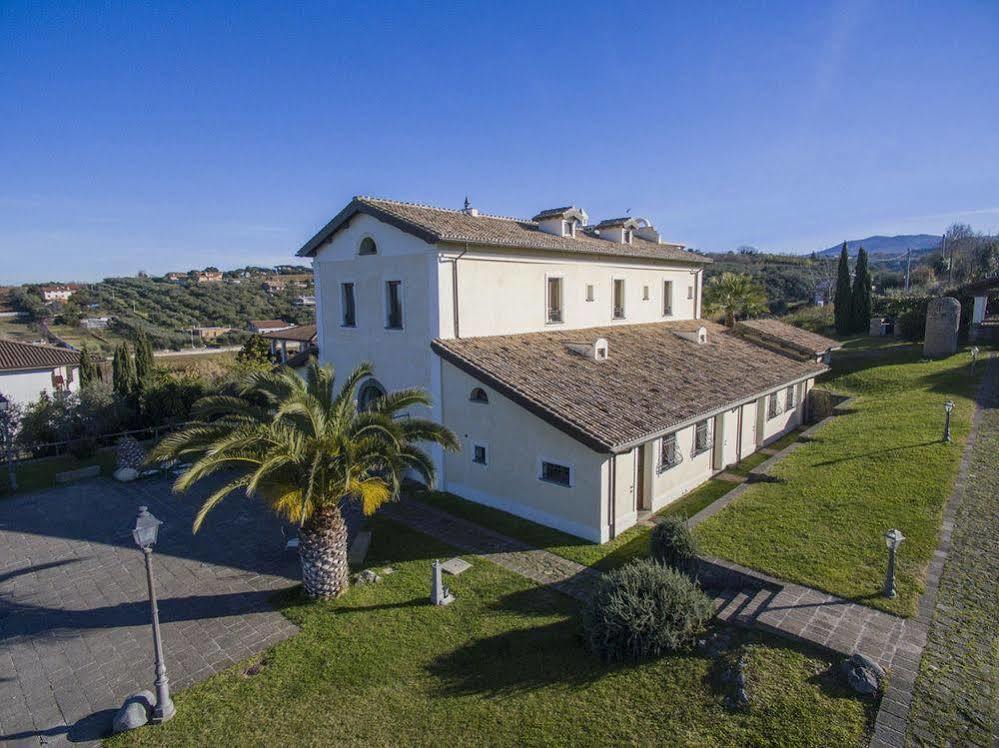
(123, 371)
(843, 301)
(143, 360)
(88, 367)
(860, 303)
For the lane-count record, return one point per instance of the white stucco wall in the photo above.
(499, 294)
(24, 387)
(516, 441)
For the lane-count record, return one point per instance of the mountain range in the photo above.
(887, 245)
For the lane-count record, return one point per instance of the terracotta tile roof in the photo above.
(651, 382)
(301, 333)
(269, 323)
(794, 337)
(439, 225)
(16, 356)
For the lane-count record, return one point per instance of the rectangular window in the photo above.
(773, 406)
(558, 474)
(618, 298)
(702, 437)
(393, 305)
(479, 454)
(690, 292)
(667, 298)
(669, 453)
(589, 292)
(645, 293)
(789, 398)
(554, 299)
(347, 307)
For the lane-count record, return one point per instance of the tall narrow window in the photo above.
(393, 305)
(347, 307)
(702, 437)
(773, 406)
(618, 298)
(670, 453)
(690, 292)
(789, 398)
(589, 292)
(667, 298)
(645, 293)
(554, 302)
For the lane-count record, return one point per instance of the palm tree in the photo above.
(734, 294)
(305, 449)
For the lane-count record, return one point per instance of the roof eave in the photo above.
(354, 207)
(454, 241)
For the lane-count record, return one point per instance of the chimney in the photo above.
(597, 350)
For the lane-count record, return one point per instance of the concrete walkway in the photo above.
(75, 638)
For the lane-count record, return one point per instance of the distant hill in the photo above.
(887, 245)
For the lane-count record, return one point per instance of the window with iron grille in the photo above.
(393, 305)
(773, 406)
(669, 453)
(667, 298)
(702, 438)
(479, 454)
(348, 317)
(618, 298)
(789, 402)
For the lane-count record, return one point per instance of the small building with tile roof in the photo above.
(570, 359)
(26, 370)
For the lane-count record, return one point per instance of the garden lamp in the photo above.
(974, 357)
(145, 532)
(948, 409)
(893, 539)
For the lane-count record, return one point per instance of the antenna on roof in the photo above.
(467, 204)
(468, 210)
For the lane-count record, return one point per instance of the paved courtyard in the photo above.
(75, 638)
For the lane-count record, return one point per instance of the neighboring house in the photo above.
(207, 276)
(57, 293)
(210, 332)
(570, 360)
(261, 326)
(291, 340)
(94, 323)
(273, 286)
(176, 277)
(28, 370)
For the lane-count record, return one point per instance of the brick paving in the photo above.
(956, 696)
(75, 638)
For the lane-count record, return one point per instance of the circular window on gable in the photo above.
(368, 246)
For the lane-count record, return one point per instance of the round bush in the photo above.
(644, 609)
(673, 544)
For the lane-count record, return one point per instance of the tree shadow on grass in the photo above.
(875, 453)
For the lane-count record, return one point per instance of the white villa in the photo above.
(26, 370)
(570, 359)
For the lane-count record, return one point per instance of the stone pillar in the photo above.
(943, 317)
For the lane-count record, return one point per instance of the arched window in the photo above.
(368, 246)
(369, 392)
(479, 396)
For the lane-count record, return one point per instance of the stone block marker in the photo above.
(455, 566)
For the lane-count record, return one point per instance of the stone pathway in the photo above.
(956, 694)
(75, 638)
(742, 596)
(538, 565)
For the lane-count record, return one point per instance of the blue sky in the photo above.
(163, 136)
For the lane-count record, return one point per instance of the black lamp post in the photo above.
(6, 418)
(893, 539)
(948, 408)
(147, 528)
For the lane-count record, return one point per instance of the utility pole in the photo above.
(908, 262)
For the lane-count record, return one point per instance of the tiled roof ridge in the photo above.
(427, 206)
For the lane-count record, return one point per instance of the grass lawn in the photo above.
(631, 543)
(880, 466)
(34, 475)
(502, 665)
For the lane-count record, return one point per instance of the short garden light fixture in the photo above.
(7, 434)
(948, 409)
(893, 539)
(974, 357)
(145, 532)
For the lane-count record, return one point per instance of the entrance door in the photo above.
(641, 484)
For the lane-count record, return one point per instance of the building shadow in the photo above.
(876, 453)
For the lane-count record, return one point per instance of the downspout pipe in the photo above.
(454, 291)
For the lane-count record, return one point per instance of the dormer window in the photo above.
(569, 229)
(627, 236)
(561, 221)
(368, 247)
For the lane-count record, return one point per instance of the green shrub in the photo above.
(643, 609)
(673, 544)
